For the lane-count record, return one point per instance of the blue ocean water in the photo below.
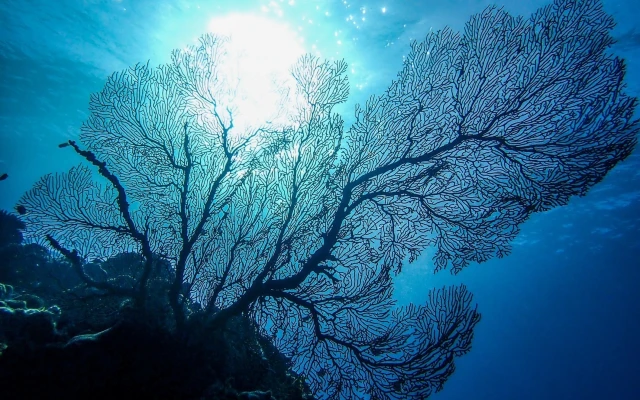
(560, 315)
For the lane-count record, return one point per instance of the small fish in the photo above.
(63, 145)
(22, 210)
(3, 177)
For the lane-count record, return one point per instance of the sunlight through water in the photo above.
(260, 55)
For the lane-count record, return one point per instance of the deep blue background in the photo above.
(561, 314)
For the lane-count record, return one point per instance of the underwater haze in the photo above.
(560, 313)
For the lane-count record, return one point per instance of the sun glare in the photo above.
(262, 53)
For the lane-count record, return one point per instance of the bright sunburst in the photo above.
(262, 52)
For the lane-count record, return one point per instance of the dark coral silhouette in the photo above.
(300, 225)
(11, 228)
